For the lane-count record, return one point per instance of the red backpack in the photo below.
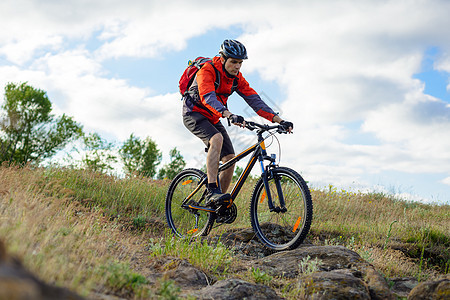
(189, 74)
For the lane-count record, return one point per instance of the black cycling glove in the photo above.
(287, 124)
(236, 119)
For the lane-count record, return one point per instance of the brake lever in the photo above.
(250, 126)
(281, 129)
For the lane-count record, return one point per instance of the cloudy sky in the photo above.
(366, 83)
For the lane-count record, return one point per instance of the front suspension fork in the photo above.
(268, 173)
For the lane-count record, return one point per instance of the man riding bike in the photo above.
(206, 103)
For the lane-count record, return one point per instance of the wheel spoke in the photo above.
(185, 221)
(280, 230)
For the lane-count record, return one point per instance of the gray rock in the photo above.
(18, 283)
(336, 261)
(402, 286)
(236, 289)
(333, 285)
(432, 290)
(287, 263)
(187, 276)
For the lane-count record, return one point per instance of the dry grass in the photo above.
(402, 238)
(59, 239)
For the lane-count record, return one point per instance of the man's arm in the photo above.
(226, 113)
(206, 89)
(277, 119)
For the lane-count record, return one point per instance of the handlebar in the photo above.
(264, 127)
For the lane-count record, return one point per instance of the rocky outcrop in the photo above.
(187, 276)
(340, 273)
(17, 283)
(401, 287)
(432, 290)
(336, 284)
(198, 285)
(236, 289)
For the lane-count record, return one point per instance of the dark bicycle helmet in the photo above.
(233, 49)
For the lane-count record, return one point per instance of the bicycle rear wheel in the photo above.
(282, 230)
(184, 221)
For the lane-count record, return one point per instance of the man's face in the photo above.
(233, 65)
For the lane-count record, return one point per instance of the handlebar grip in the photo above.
(250, 125)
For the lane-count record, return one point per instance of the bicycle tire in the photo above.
(280, 231)
(185, 222)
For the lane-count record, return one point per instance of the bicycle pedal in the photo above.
(220, 219)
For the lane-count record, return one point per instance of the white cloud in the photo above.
(348, 64)
(443, 63)
(446, 181)
(346, 68)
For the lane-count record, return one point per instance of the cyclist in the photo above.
(206, 103)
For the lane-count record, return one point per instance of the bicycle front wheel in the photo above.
(187, 188)
(286, 226)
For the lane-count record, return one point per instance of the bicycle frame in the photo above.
(260, 154)
(280, 207)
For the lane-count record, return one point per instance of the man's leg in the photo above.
(212, 136)
(213, 157)
(212, 168)
(227, 175)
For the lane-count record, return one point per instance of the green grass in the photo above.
(260, 277)
(136, 197)
(215, 259)
(122, 280)
(64, 223)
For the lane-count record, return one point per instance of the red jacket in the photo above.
(212, 102)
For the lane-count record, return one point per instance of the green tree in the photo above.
(29, 132)
(176, 164)
(237, 172)
(140, 157)
(99, 154)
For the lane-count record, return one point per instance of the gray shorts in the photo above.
(201, 127)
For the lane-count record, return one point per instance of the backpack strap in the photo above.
(234, 86)
(217, 80)
(190, 95)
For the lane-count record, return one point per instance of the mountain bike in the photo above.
(281, 208)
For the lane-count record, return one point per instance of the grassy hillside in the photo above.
(80, 229)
